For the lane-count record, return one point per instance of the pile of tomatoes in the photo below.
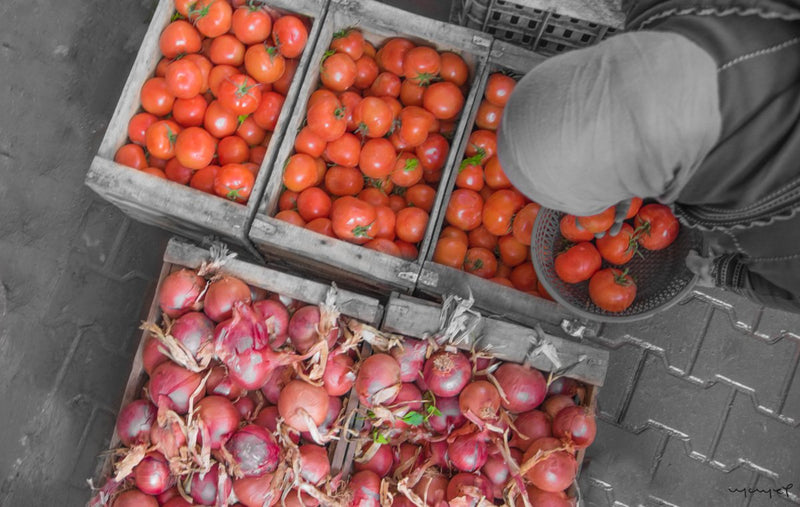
(213, 103)
(489, 222)
(653, 227)
(372, 150)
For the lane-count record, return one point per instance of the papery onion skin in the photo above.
(276, 317)
(576, 425)
(366, 487)
(432, 489)
(222, 294)
(407, 456)
(496, 470)
(381, 463)
(168, 439)
(555, 404)
(174, 385)
(525, 388)
(179, 293)
(152, 475)
(446, 373)
(297, 395)
(458, 481)
(151, 355)
(314, 464)
(339, 378)
(541, 498)
(135, 421)
(468, 452)
(451, 417)
(193, 330)
(411, 358)
(334, 409)
(379, 374)
(255, 450)
(275, 382)
(134, 498)
(177, 502)
(220, 383)
(220, 418)
(563, 385)
(204, 490)
(555, 472)
(534, 424)
(481, 399)
(253, 491)
(303, 328)
(246, 407)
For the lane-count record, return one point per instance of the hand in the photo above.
(701, 266)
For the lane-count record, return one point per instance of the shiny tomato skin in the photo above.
(338, 72)
(300, 172)
(384, 245)
(512, 252)
(659, 227)
(391, 55)
(522, 228)
(251, 25)
(499, 88)
(179, 37)
(344, 151)
(352, 219)
(495, 176)
(421, 196)
(184, 79)
(290, 36)
(131, 155)
(203, 179)
(450, 251)
(177, 172)
(350, 42)
(190, 112)
(226, 50)
(571, 232)
(313, 203)
(377, 158)
(578, 263)
(366, 72)
(408, 251)
(137, 127)
(421, 65)
(156, 97)
(464, 209)
(292, 217)
(385, 222)
(480, 262)
(415, 125)
(488, 116)
(411, 93)
(264, 63)
(411, 224)
(612, 290)
(480, 237)
(373, 117)
(341, 181)
(470, 176)
(161, 137)
(327, 118)
(218, 74)
(386, 83)
(618, 249)
(407, 170)
(444, 100)
(633, 209)
(499, 210)
(252, 133)
(232, 150)
(269, 110)
(234, 182)
(321, 226)
(195, 147)
(432, 153)
(454, 69)
(481, 142)
(239, 94)
(599, 222)
(310, 143)
(212, 18)
(219, 122)
(374, 196)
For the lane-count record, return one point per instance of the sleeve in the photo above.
(730, 272)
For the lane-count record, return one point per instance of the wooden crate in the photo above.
(181, 254)
(179, 208)
(335, 259)
(491, 298)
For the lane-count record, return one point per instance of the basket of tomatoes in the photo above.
(619, 277)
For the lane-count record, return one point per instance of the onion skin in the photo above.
(220, 383)
(411, 358)
(151, 356)
(468, 452)
(554, 473)
(276, 381)
(173, 385)
(220, 417)
(168, 439)
(268, 418)
(221, 296)
(177, 502)
(534, 424)
(555, 404)
(408, 399)
(297, 395)
(366, 488)
(446, 373)
(135, 421)
(276, 318)
(167, 495)
(334, 408)
(179, 293)
(451, 417)
(193, 330)
(379, 375)
(255, 450)
(524, 387)
(407, 453)
(563, 385)
(339, 378)
(432, 489)
(245, 406)
(314, 465)
(577, 425)
(204, 490)
(541, 498)
(381, 463)
(481, 399)
(134, 498)
(152, 474)
(458, 481)
(437, 454)
(303, 329)
(253, 491)
(497, 472)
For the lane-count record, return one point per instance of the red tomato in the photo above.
(480, 237)
(397, 202)
(385, 84)
(658, 226)
(156, 97)
(226, 50)
(392, 55)
(366, 72)
(633, 209)
(131, 155)
(318, 96)
(300, 172)
(512, 252)
(341, 181)
(482, 142)
(384, 245)
(190, 112)
(408, 251)
(450, 231)
(205, 67)
(218, 74)
(394, 104)
(251, 132)
(374, 196)
(488, 116)
(421, 196)
(522, 228)
(353, 219)
(411, 93)
(407, 170)
(494, 175)
(499, 88)
(411, 224)
(350, 42)
(480, 262)
(308, 142)
(415, 124)
(264, 63)
(600, 222)
(421, 65)
(154, 171)
(432, 153)
(450, 252)
(454, 69)
(251, 25)
(234, 182)
(183, 6)
(211, 17)
(385, 222)
(161, 67)
(203, 179)
(290, 36)
(194, 148)
(377, 158)
(373, 117)
(499, 210)
(184, 79)
(219, 122)
(287, 200)
(444, 100)
(570, 231)
(344, 151)
(338, 72)
(578, 263)
(161, 137)
(137, 127)
(257, 154)
(470, 176)
(464, 209)
(523, 277)
(313, 203)
(284, 82)
(178, 173)
(239, 94)
(179, 37)
(612, 290)
(292, 217)
(321, 226)
(327, 119)
(618, 249)
(232, 150)
(269, 110)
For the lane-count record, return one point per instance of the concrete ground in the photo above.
(698, 402)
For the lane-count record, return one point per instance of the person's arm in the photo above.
(731, 273)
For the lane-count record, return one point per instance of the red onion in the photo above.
(222, 294)
(134, 498)
(446, 373)
(291, 304)
(432, 489)
(541, 498)
(555, 404)
(408, 399)
(178, 502)
(276, 381)
(168, 495)
(366, 488)
(219, 382)
(451, 417)
(268, 418)
(402, 501)
(179, 293)
(534, 425)
(152, 474)
(381, 463)
(220, 418)
(151, 355)
(243, 332)
(299, 398)
(411, 358)
(297, 498)
(577, 425)
(437, 454)
(334, 408)
(378, 380)
(524, 387)
(203, 487)
(459, 486)
(563, 385)
(172, 386)
(254, 449)
(135, 421)
(314, 464)
(245, 406)
(303, 329)
(276, 318)
(254, 491)
(193, 330)
(339, 378)
(168, 438)
(481, 399)
(407, 456)
(555, 472)
(468, 452)
(497, 472)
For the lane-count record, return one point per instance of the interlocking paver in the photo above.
(90, 451)
(624, 364)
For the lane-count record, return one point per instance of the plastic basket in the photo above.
(661, 276)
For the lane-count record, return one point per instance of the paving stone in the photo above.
(98, 232)
(623, 365)
(90, 452)
(773, 494)
(791, 408)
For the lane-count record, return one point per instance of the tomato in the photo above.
(183, 6)
(377, 158)
(432, 153)
(257, 154)
(447, 128)
(570, 231)
(337, 72)
(131, 155)
(290, 36)
(318, 96)
(264, 63)
(421, 196)
(292, 217)
(349, 42)
(432, 176)
(499, 88)
(154, 171)
(327, 119)
(503, 270)
(384, 245)
(612, 290)
(397, 202)
(407, 170)
(287, 200)
(344, 151)
(251, 25)
(481, 142)
(464, 209)
(156, 97)
(239, 94)
(385, 222)
(494, 175)
(522, 228)
(480, 262)
(453, 69)
(384, 184)
(203, 179)
(600, 222)
(450, 252)
(411, 224)
(394, 105)
(373, 117)
(234, 182)
(219, 122)
(212, 18)
(137, 127)
(308, 142)
(189, 112)
(385, 84)
(341, 181)
(366, 72)
(161, 137)
(415, 124)
(578, 263)
(450, 231)
(353, 219)
(179, 37)
(350, 100)
(618, 249)
(633, 208)
(269, 110)
(226, 50)
(523, 277)
(421, 65)
(161, 67)
(480, 237)
(205, 67)
(488, 116)
(392, 55)
(444, 100)
(542, 291)
(499, 210)
(176, 172)
(184, 79)
(374, 196)
(321, 226)
(300, 172)
(194, 148)
(313, 203)
(658, 226)
(251, 132)
(411, 93)
(512, 252)
(232, 150)
(158, 163)
(470, 176)
(284, 82)
(408, 251)
(218, 74)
